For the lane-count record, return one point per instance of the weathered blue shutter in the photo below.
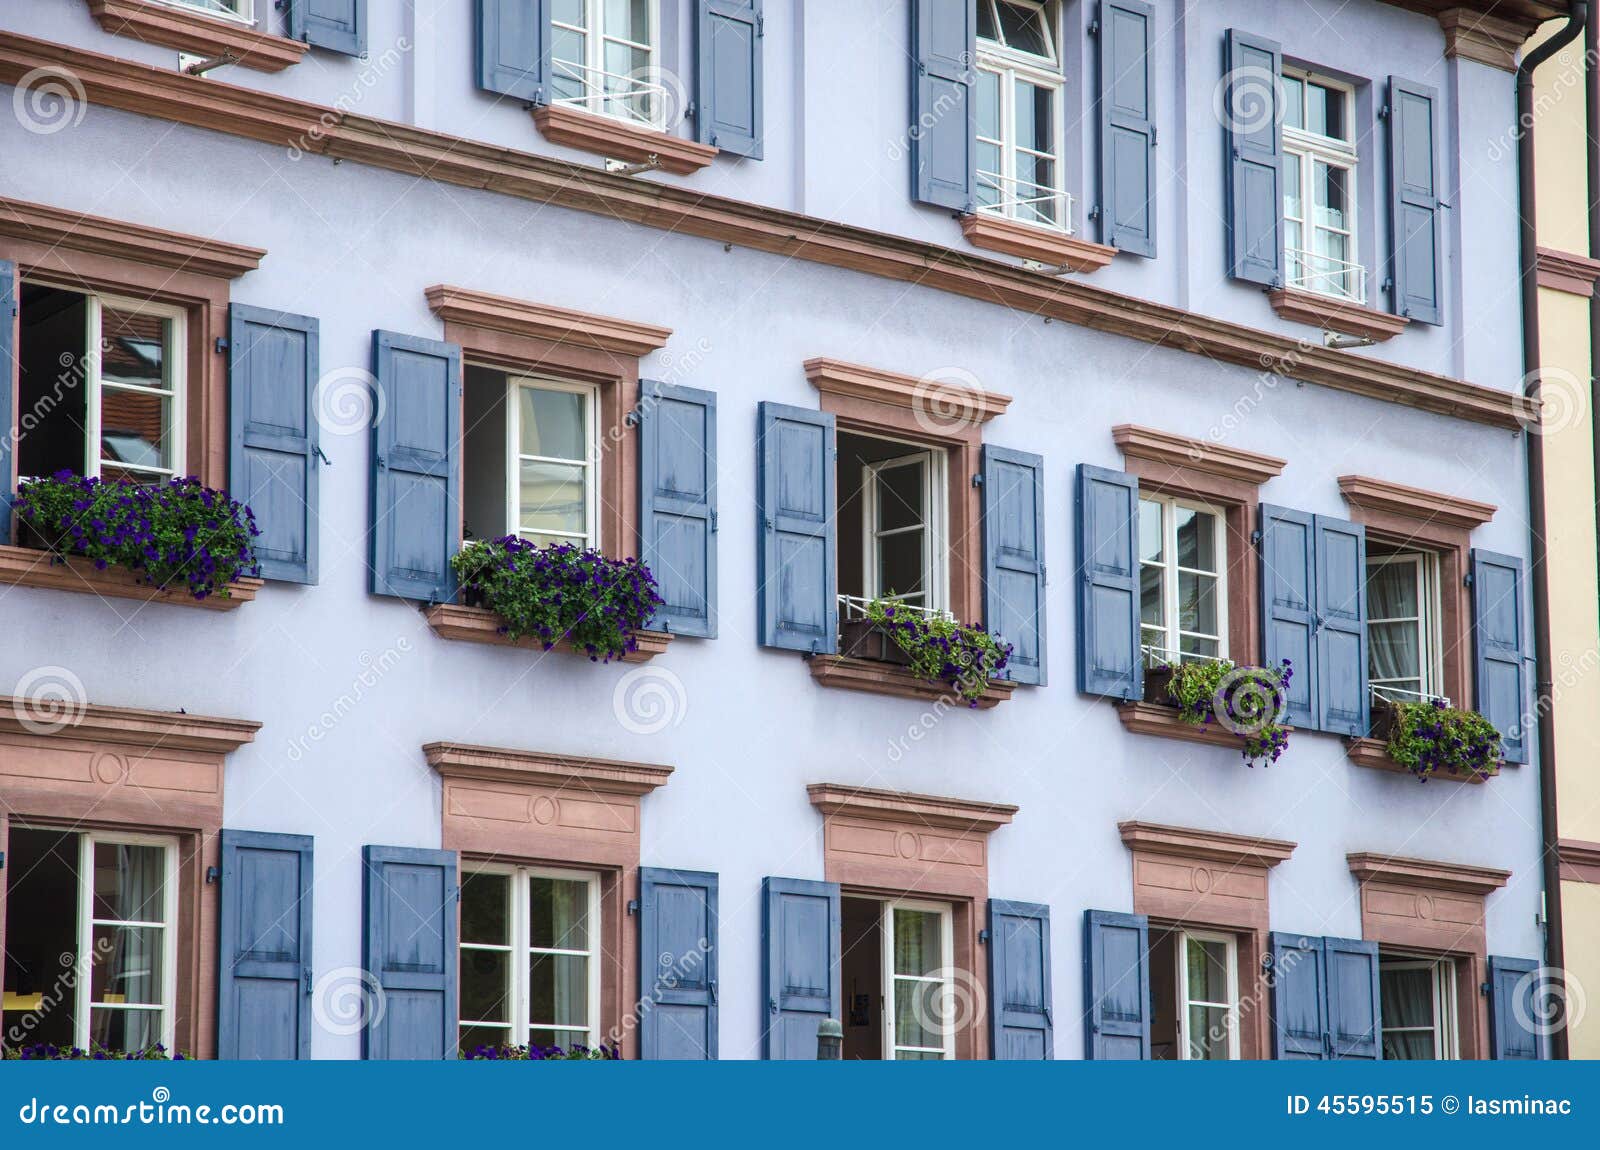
(1299, 997)
(264, 984)
(337, 25)
(1514, 1004)
(409, 946)
(944, 116)
(273, 454)
(1288, 605)
(1116, 985)
(678, 503)
(1127, 127)
(728, 36)
(1108, 584)
(1499, 679)
(1354, 1027)
(9, 297)
(1250, 118)
(1341, 599)
(416, 467)
(1013, 558)
(798, 574)
(1020, 1026)
(800, 963)
(677, 964)
(514, 47)
(1415, 227)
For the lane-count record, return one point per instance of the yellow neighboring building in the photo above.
(1566, 278)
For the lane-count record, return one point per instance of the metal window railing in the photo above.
(1026, 200)
(1317, 272)
(855, 607)
(613, 94)
(1167, 657)
(1383, 693)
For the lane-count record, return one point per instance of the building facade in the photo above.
(1137, 334)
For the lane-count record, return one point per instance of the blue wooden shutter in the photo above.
(409, 936)
(273, 453)
(1013, 558)
(677, 964)
(337, 25)
(1127, 127)
(1020, 1026)
(1299, 997)
(264, 984)
(944, 115)
(728, 37)
(1354, 1026)
(1251, 116)
(800, 963)
(1415, 222)
(1116, 985)
(1288, 605)
(9, 297)
(514, 47)
(1499, 683)
(1341, 599)
(678, 503)
(1514, 999)
(1108, 584)
(798, 571)
(416, 467)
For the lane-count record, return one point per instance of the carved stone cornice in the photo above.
(1414, 503)
(839, 799)
(1180, 451)
(60, 228)
(505, 765)
(542, 321)
(945, 400)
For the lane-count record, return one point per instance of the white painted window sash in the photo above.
(1172, 633)
(597, 97)
(174, 359)
(1186, 1000)
(590, 464)
(892, 1047)
(1011, 65)
(1428, 622)
(931, 522)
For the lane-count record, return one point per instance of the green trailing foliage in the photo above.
(1248, 701)
(942, 650)
(1433, 738)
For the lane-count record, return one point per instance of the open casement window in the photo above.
(91, 938)
(893, 525)
(898, 979)
(1183, 611)
(1194, 994)
(1404, 648)
(105, 379)
(1018, 89)
(1319, 188)
(530, 957)
(1418, 1000)
(603, 59)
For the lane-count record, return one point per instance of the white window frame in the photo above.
(174, 360)
(1172, 641)
(1429, 621)
(944, 975)
(521, 949)
(935, 525)
(1445, 1029)
(245, 13)
(83, 1002)
(595, 98)
(1306, 149)
(1011, 65)
(590, 536)
(1185, 1001)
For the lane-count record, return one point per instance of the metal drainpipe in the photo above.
(1555, 947)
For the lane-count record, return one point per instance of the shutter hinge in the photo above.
(768, 522)
(761, 23)
(318, 453)
(382, 463)
(1383, 112)
(305, 975)
(222, 344)
(1153, 131)
(2, 860)
(983, 935)
(977, 480)
(1255, 536)
(692, 110)
(633, 418)
(213, 876)
(1466, 580)
(713, 521)
(1485, 989)
(633, 906)
(1094, 26)
(1094, 212)
(458, 892)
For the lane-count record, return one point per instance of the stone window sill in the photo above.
(887, 679)
(1163, 721)
(27, 567)
(1374, 753)
(1336, 315)
(192, 31)
(618, 141)
(1032, 242)
(480, 625)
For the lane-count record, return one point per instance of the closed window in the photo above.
(1018, 85)
(1319, 209)
(91, 939)
(530, 947)
(1403, 625)
(603, 59)
(1418, 1008)
(1182, 592)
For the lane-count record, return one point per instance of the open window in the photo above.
(1194, 994)
(1319, 187)
(1404, 628)
(1418, 996)
(603, 57)
(1018, 88)
(893, 526)
(898, 979)
(1183, 604)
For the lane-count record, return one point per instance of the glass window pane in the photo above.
(1149, 530)
(133, 348)
(900, 564)
(554, 423)
(1292, 205)
(567, 12)
(568, 73)
(1152, 603)
(1022, 28)
(1407, 996)
(628, 20)
(129, 882)
(136, 428)
(1392, 591)
(558, 914)
(916, 942)
(1329, 192)
(1394, 651)
(627, 64)
(126, 966)
(1208, 1033)
(1208, 970)
(1408, 1045)
(1197, 539)
(986, 24)
(553, 497)
(472, 1037)
(1203, 648)
(125, 1029)
(900, 495)
(558, 990)
(1317, 109)
(485, 909)
(919, 1013)
(565, 1039)
(989, 111)
(1327, 112)
(486, 985)
(1294, 95)
(1035, 118)
(1197, 603)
